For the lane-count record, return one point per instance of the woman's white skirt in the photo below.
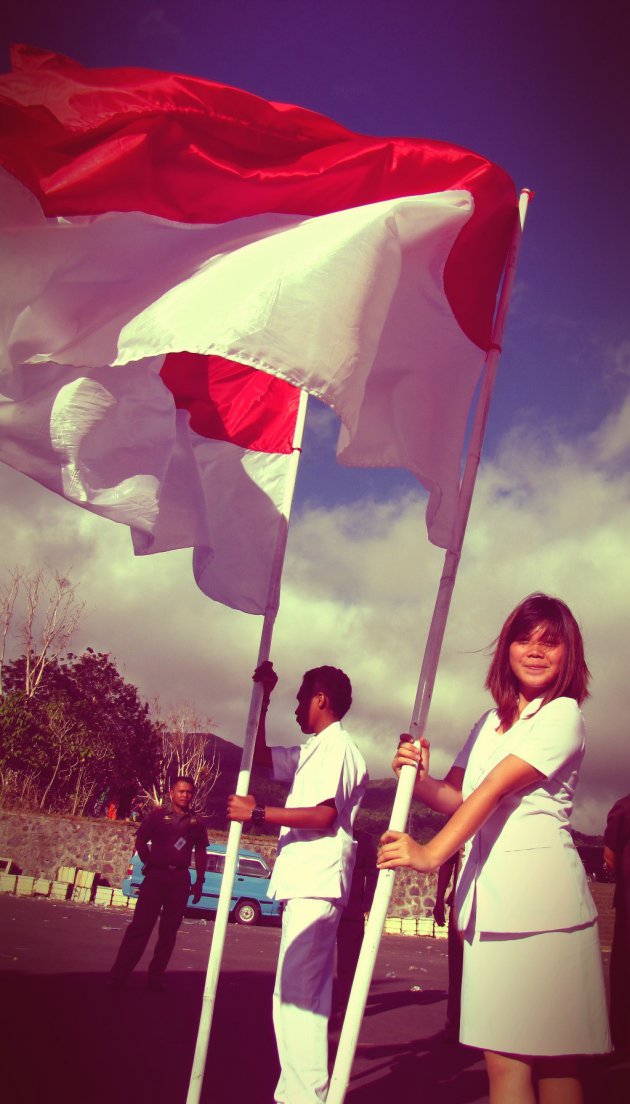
(541, 993)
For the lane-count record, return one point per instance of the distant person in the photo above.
(165, 842)
(136, 812)
(352, 922)
(617, 859)
(447, 875)
(532, 992)
(99, 808)
(312, 871)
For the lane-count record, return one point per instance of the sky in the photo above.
(541, 89)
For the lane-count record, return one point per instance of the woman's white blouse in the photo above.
(521, 871)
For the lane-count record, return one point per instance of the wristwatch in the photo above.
(258, 813)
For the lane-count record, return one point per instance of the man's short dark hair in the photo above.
(183, 778)
(334, 683)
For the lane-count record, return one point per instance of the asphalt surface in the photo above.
(66, 1037)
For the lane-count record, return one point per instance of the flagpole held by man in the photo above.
(313, 868)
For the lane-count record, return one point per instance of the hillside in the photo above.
(373, 816)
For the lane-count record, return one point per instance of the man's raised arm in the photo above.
(266, 675)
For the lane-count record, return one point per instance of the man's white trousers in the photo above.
(302, 998)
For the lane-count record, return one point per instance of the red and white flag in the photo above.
(147, 215)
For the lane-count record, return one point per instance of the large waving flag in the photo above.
(168, 238)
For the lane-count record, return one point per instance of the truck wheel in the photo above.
(247, 912)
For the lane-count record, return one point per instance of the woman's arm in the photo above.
(442, 795)
(399, 849)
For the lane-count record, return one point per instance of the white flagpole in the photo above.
(242, 786)
(404, 790)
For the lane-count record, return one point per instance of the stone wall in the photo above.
(40, 844)
(413, 895)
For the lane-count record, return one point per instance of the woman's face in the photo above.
(536, 663)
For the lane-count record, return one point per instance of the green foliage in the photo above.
(23, 733)
(84, 732)
(375, 812)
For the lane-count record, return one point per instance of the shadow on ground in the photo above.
(429, 1069)
(67, 1037)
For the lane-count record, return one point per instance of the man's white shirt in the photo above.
(319, 864)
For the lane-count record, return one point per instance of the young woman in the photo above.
(533, 993)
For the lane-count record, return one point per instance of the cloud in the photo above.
(619, 359)
(358, 591)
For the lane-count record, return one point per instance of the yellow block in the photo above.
(42, 886)
(67, 874)
(24, 886)
(59, 891)
(393, 925)
(8, 883)
(85, 878)
(426, 925)
(103, 895)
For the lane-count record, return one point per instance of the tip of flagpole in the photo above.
(524, 200)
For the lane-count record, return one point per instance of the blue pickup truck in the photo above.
(249, 892)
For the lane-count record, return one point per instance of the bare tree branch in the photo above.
(8, 595)
(52, 616)
(186, 747)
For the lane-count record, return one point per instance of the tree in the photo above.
(71, 727)
(8, 597)
(184, 749)
(23, 750)
(50, 615)
(84, 729)
(70, 743)
(112, 708)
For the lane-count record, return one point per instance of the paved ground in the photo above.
(66, 1037)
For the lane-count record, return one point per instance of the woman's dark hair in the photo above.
(334, 683)
(534, 612)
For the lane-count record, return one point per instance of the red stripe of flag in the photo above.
(230, 402)
(86, 141)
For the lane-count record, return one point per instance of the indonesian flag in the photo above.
(181, 255)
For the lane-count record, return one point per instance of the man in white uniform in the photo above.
(313, 869)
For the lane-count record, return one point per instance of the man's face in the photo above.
(306, 712)
(182, 794)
